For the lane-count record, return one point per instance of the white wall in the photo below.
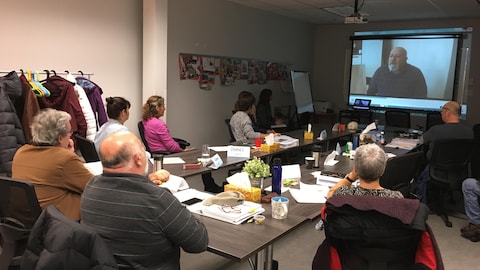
(102, 37)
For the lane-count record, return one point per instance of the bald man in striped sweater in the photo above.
(144, 225)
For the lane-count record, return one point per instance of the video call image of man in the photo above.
(398, 78)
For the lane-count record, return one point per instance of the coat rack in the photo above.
(53, 72)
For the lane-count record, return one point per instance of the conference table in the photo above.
(244, 241)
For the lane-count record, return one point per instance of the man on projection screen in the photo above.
(398, 79)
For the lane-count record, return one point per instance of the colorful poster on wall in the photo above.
(257, 72)
(228, 71)
(190, 67)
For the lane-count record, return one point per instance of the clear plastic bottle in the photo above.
(277, 176)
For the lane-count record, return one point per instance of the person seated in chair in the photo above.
(157, 134)
(471, 195)
(263, 112)
(118, 110)
(369, 165)
(51, 164)
(451, 129)
(143, 224)
(241, 122)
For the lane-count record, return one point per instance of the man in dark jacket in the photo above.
(144, 225)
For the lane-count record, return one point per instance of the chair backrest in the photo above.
(475, 159)
(87, 149)
(433, 119)
(141, 131)
(449, 162)
(18, 200)
(19, 209)
(397, 118)
(401, 170)
(232, 137)
(366, 237)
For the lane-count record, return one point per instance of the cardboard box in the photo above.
(252, 195)
(307, 135)
(270, 148)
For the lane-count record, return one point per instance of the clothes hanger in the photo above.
(38, 92)
(45, 91)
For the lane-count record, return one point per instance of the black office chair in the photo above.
(230, 132)
(402, 171)
(141, 130)
(87, 149)
(475, 159)
(359, 116)
(449, 166)
(368, 232)
(397, 118)
(19, 209)
(433, 119)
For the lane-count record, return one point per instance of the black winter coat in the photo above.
(57, 242)
(11, 132)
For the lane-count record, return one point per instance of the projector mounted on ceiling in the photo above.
(356, 17)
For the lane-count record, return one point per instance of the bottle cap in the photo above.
(277, 161)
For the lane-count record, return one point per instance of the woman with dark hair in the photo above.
(118, 113)
(241, 122)
(157, 134)
(264, 111)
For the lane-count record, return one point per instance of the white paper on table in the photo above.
(175, 183)
(370, 127)
(187, 194)
(330, 160)
(310, 193)
(95, 168)
(403, 143)
(219, 148)
(291, 171)
(284, 189)
(173, 160)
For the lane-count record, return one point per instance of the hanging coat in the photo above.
(94, 94)
(63, 97)
(27, 107)
(11, 132)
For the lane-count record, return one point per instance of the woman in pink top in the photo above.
(156, 131)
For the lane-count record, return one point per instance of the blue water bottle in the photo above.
(277, 176)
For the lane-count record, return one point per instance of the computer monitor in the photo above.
(362, 104)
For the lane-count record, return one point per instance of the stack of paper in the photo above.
(310, 193)
(234, 215)
(403, 143)
(286, 141)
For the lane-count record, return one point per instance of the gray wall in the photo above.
(219, 28)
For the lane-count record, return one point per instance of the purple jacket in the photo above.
(158, 137)
(94, 94)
